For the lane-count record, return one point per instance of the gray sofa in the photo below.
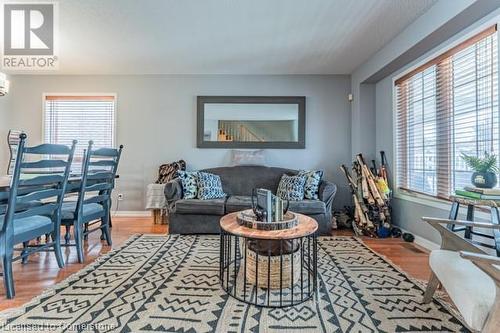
(193, 216)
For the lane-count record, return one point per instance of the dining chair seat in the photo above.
(68, 212)
(28, 228)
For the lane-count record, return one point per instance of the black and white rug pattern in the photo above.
(160, 283)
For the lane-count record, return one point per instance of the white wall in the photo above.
(156, 121)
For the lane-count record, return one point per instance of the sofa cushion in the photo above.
(291, 187)
(471, 290)
(308, 207)
(238, 202)
(209, 186)
(196, 206)
(241, 180)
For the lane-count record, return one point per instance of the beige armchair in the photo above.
(469, 275)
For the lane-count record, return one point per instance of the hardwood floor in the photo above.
(42, 271)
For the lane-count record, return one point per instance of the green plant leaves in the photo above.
(488, 163)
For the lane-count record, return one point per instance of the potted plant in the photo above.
(485, 169)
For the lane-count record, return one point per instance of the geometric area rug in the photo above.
(169, 283)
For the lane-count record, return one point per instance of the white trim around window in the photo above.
(114, 95)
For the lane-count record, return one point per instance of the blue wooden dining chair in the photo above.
(33, 205)
(94, 197)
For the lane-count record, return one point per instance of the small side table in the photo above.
(468, 231)
(273, 269)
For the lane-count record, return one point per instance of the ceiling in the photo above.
(227, 36)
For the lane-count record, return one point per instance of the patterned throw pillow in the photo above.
(209, 186)
(189, 180)
(291, 187)
(313, 178)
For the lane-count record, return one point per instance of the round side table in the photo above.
(275, 269)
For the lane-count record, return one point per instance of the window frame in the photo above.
(79, 94)
(438, 53)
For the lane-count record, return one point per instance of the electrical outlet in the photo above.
(120, 196)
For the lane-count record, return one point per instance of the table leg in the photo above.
(495, 219)
(85, 232)
(157, 216)
(453, 215)
(110, 204)
(470, 217)
(109, 219)
(67, 235)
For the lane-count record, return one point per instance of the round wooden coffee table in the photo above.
(276, 268)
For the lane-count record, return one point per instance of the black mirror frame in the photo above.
(299, 100)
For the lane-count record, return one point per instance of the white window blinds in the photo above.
(447, 107)
(81, 118)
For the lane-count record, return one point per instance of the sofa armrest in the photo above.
(173, 191)
(326, 192)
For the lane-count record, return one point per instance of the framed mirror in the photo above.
(251, 122)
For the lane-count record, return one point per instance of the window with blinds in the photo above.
(446, 108)
(80, 118)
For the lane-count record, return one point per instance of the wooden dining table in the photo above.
(5, 182)
(6, 179)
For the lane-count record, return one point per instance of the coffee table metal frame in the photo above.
(233, 259)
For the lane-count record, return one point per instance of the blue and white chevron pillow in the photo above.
(313, 179)
(209, 186)
(189, 180)
(291, 187)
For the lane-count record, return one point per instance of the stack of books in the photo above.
(479, 193)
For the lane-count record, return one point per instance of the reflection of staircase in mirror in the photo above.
(236, 131)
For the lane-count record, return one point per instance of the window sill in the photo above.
(422, 199)
(438, 203)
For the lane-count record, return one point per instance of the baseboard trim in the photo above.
(133, 213)
(426, 243)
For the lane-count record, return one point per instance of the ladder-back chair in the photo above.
(94, 196)
(32, 206)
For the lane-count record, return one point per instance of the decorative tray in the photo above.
(247, 218)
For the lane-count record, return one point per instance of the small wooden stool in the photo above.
(468, 231)
(160, 216)
(156, 202)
